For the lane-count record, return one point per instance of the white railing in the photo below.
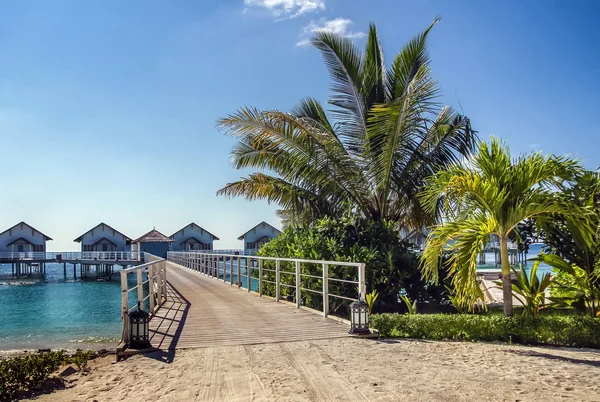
(99, 255)
(234, 251)
(218, 265)
(156, 293)
(72, 256)
(27, 255)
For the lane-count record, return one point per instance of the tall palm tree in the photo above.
(387, 133)
(490, 194)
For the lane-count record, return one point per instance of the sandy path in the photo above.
(347, 370)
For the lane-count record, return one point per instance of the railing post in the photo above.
(124, 307)
(260, 276)
(140, 289)
(164, 281)
(248, 265)
(325, 290)
(298, 295)
(277, 286)
(362, 283)
(151, 287)
(239, 272)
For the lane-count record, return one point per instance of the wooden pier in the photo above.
(205, 307)
(201, 311)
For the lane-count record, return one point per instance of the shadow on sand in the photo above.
(167, 324)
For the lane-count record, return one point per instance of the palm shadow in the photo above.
(533, 353)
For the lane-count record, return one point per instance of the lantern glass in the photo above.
(359, 317)
(139, 329)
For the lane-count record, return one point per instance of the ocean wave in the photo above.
(19, 283)
(93, 339)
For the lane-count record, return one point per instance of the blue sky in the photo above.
(108, 108)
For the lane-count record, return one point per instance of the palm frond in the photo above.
(345, 64)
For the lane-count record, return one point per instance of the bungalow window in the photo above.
(88, 247)
(249, 245)
(38, 248)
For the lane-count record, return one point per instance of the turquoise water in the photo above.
(534, 250)
(59, 312)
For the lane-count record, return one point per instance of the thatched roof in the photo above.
(153, 236)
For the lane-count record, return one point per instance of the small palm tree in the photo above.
(490, 194)
(530, 290)
(387, 134)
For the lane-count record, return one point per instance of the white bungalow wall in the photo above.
(26, 232)
(190, 231)
(103, 231)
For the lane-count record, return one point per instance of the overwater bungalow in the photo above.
(102, 237)
(23, 238)
(154, 243)
(258, 236)
(192, 237)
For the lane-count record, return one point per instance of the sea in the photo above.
(67, 312)
(58, 312)
(534, 250)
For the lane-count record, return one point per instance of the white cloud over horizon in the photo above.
(339, 25)
(287, 9)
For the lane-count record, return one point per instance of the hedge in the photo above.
(559, 330)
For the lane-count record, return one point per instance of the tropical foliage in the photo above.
(392, 268)
(385, 134)
(530, 290)
(371, 298)
(411, 308)
(22, 374)
(574, 249)
(491, 194)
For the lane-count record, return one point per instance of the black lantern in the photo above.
(139, 329)
(359, 318)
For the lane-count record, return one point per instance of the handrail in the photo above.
(156, 278)
(234, 251)
(218, 265)
(72, 255)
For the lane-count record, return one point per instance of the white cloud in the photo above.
(340, 26)
(287, 8)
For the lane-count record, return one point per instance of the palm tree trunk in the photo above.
(506, 282)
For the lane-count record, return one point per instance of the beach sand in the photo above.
(345, 369)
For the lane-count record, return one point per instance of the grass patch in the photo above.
(558, 330)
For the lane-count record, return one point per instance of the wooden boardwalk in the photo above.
(204, 312)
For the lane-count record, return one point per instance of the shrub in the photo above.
(24, 373)
(558, 330)
(392, 267)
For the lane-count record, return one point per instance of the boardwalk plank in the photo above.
(203, 312)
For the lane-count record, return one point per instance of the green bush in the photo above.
(392, 266)
(559, 330)
(24, 373)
